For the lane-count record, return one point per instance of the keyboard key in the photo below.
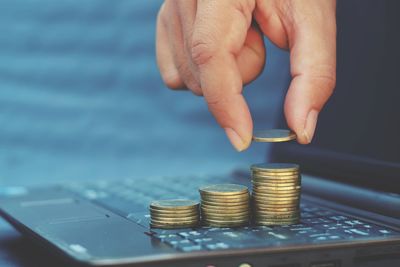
(204, 241)
(339, 218)
(189, 248)
(314, 221)
(217, 246)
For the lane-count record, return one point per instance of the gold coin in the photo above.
(224, 211)
(162, 221)
(277, 188)
(268, 191)
(219, 198)
(263, 200)
(174, 204)
(273, 135)
(223, 190)
(174, 212)
(226, 207)
(275, 167)
(275, 209)
(261, 204)
(274, 184)
(279, 194)
(169, 217)
(270, 204)
(225, 218)
(276, 175)
(215, 213)
(274, 180)
(225, 203)
(175, 219)
(177, 226)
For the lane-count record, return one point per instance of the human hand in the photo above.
(212, 48)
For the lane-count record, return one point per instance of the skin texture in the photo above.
(213, 47)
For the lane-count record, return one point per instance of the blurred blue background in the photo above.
(81, 98)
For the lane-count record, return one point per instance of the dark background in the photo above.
(81, 99)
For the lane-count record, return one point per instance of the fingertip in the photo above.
(301, 113)
(237, 142)
(233, 115)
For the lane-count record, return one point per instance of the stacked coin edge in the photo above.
(276, 193)
(174, 216)
(225, 209)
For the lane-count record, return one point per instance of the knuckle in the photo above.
(201, 52)
(324, 76)
(215, 98)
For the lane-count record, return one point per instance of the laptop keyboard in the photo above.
(130, 198)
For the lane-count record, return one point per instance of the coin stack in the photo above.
(174, 213)
(276, 193)
(225, 205)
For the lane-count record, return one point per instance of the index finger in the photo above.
(219, 33)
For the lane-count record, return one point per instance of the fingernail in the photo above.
(235, 139)
(310, 125)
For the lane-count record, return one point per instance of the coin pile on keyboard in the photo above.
(174, 213)
(276, 193)
(225, 205)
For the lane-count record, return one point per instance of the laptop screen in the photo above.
(358, 133)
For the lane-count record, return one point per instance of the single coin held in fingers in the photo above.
(273, 135)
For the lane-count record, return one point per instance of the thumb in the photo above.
(312, 43)
(219, 34)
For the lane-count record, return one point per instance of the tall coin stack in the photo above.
(174, 213)
(276, 193)
(225, 205)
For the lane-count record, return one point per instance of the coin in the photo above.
(226, 218)
(275, 176)
(258, 197)
(158, 222)
(174, 204)
(223, 204)
(278, 209)
(175, 219)
(276, 188)
(173, 226)
(206, 209)
(227, 199)
(174, 212)
(275, 184)
(224, 189)
(267, 192)
(275, 167)
(273, 135)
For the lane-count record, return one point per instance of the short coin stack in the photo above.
(174, 213)
(276, 193)
(225, 205)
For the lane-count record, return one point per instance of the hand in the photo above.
(212, 48)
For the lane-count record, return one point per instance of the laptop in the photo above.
(350, 204)
(350, 213)
(106, 223)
